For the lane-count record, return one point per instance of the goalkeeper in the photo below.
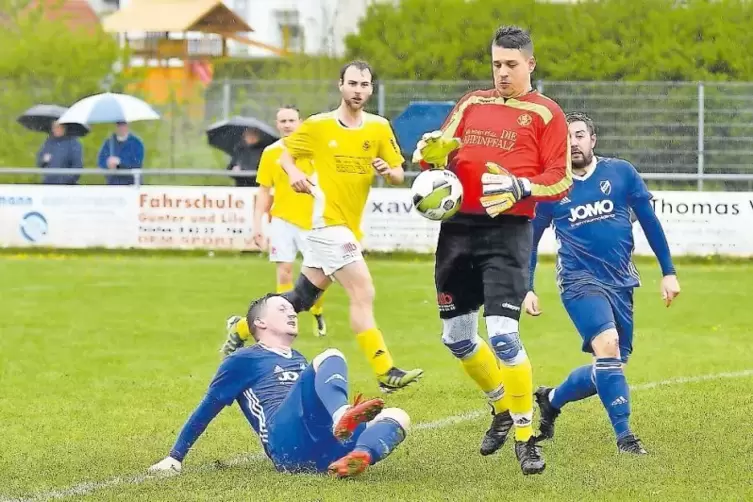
(509, 148)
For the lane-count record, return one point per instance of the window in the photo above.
(291, 31)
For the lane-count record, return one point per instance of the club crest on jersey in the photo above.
(524, 119)
(366, 145)
(606, 187)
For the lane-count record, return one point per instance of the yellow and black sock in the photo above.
(376, 352)
(518, 382)
(483, 368)
(284, 287)
(318, 307)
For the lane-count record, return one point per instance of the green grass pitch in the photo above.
(103, 357)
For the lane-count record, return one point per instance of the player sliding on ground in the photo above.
(347, 148)
(596, 276)
(300, 411)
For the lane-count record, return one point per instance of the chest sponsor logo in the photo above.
(591, 210)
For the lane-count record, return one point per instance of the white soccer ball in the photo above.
(437, 194)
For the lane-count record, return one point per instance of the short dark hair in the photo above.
(513, 37)
(359, 65)
(582, 117)
(289, 107)
(255, 310)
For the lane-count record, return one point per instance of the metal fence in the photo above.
(679, 133)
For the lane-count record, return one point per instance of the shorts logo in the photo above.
(336, 376)
(445, 302)
(524, 119)
(349, 249)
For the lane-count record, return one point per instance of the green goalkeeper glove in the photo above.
(434, 148)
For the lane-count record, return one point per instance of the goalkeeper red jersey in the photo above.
(527, 136)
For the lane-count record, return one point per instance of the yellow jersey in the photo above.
(341, 158)
(288, 204)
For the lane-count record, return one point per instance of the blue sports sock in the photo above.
(578, 385)
(380, 438)
(614, 393)
(331, 383)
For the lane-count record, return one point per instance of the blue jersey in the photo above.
(593, 226)
(259, 379)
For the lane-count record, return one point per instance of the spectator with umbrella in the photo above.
(244, 139)
(122, 150)
(62, 149)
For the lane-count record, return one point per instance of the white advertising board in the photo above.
(221, 218)
(67, 216)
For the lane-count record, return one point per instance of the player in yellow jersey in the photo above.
(347, 148)
(289, 211)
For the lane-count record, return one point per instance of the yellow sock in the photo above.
(284, 288)
(519, 386)
(373, 346)
(483, 367)
(317, 308)
(242, 328)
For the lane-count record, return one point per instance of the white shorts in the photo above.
(331, 248)
(285, 241)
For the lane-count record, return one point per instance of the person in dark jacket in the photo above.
(121, 150)
(246, 157)
(61, 152)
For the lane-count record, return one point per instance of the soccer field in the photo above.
(102, 358)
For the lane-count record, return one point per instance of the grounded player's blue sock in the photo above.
(578, 385)
(380, 438)
(331, 383)
(614, 393)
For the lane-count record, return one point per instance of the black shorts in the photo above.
(483, 261)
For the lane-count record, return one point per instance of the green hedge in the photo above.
(590, 40)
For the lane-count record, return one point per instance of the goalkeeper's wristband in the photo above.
(525, 187)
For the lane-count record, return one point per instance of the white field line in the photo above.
(89, 487)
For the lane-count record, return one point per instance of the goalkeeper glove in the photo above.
(434, 148)
(235, 340)
(502, 190)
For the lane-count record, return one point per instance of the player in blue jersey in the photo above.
(300, 411)
(596, 276)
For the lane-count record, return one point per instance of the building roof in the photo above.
(77, 14)
(208, 16)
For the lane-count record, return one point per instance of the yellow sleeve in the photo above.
(389, 151)
(301, 143)
(267, 165)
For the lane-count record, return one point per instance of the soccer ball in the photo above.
(437, 194)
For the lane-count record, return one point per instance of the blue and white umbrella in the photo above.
(108, 108)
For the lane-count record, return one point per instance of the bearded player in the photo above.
(347, 148)
(289, 212)
(596, 277)
(509, 148)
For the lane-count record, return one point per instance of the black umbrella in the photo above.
(40, 118)
(226, 134)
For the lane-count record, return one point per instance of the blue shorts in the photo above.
(594, 309)
(300, 432)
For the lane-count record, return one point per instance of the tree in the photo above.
(44, 61)
(591, 40)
